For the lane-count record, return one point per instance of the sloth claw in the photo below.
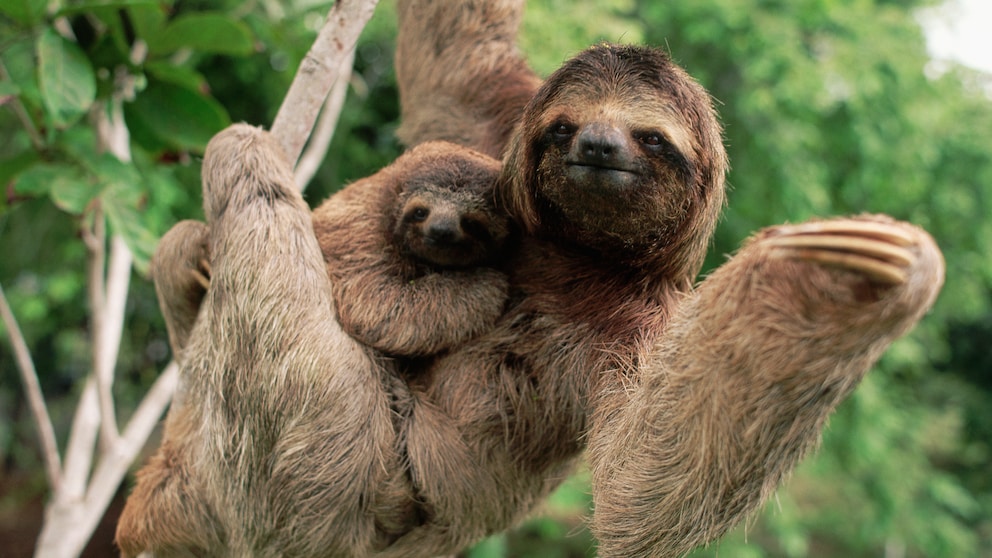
(868, 229)
(880, 251)
(202, 275)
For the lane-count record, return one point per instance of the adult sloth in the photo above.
(693, 402)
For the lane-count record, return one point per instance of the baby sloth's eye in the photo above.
(418, 214)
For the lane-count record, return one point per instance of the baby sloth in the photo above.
(413, 251)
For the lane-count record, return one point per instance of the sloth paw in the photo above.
(882, 251)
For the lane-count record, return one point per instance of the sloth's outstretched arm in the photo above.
(739, 387)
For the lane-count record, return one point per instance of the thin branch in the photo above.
(317, 73)
(108, 317)
(50, 450)
(146, 416)
(22, 114)
(96, 400)
(115, 461)
(115, 300)
(111, 129)
(96, 243)
(321, 137)
(79, 451)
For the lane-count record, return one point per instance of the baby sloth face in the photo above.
(449, 225)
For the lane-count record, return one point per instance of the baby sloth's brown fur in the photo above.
(690, 403)
(413, 250)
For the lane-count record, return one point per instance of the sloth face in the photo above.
(619, 150)
(618, 165)
(448, 227)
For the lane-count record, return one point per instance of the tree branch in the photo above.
(114, 462)
(115, 301)
(321, 137)
(50, 450)
(318, 72)
(79, 450)
(96, 243)
(109, 292)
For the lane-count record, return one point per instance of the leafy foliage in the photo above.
(830, 107)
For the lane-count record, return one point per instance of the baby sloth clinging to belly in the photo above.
(413, 250)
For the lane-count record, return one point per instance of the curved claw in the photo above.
(870, 229)
(880, 251)
(202, 275)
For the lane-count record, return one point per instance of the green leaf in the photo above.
(66, 77)
(68, 186)
(148, 21)
(122, 199)
(106, 4)
(177, 116)
(204, 32)
(948, 492)
(177, 75)
(114, 173)
(24, 12)
(121, 204)
(18, 58)
(15, 165)
(73, 197)
(8, 89)
(493, 547)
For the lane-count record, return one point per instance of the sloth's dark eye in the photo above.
(656, 144)
(651, 139)
(562, 130)
(418, 214)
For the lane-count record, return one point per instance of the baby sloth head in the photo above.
(449, 220)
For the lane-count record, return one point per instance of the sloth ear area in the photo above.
(512, 192)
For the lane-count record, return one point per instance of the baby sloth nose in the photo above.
(600, 143)
(444, 231)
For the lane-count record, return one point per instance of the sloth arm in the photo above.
(377, 302)
(180, 271)
(750, 367)
(262, 346)
(460, 74)
(421, 316)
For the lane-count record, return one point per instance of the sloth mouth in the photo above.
(601, 176)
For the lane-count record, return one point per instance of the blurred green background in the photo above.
(830, 107)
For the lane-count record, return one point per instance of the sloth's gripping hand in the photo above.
(885, 251)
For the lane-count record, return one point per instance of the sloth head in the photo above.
(620, 152)
(446, 216)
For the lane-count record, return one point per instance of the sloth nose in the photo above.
(443, 231)
(600, 143)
